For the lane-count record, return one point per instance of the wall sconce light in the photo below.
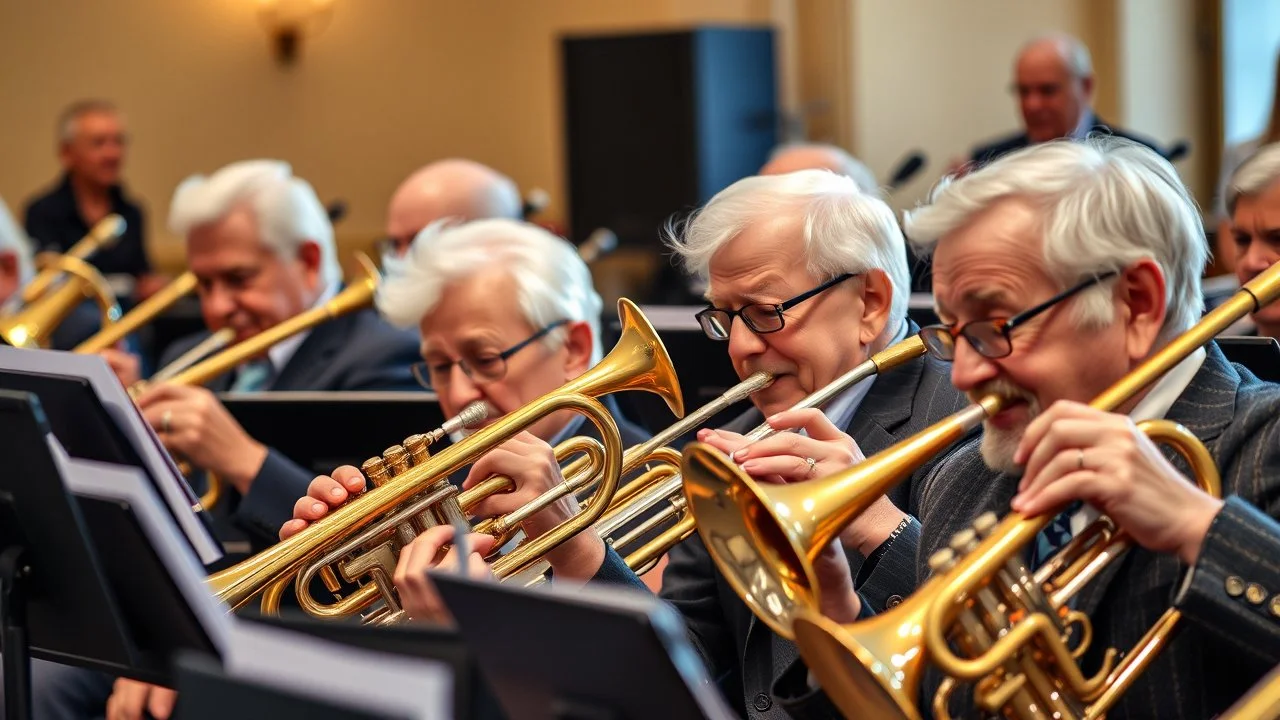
(289, 21)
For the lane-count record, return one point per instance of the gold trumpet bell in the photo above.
(33, 325)
(875, 673)
(639, 347)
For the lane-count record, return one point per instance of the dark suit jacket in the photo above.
(358, 351)
(741, 652)
(1226, 643)
(990, 151)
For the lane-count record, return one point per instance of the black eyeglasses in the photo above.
(991, 338)
(761, 318)
(480, 368)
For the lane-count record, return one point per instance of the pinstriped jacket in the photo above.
(1226, 642)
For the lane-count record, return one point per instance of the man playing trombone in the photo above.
(1057, 270)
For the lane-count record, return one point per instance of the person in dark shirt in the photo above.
(92, 145)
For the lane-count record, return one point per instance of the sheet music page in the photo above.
(341, 674)
(105, 481)
(175, 491)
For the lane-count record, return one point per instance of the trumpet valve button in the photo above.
(985, 522)
(397, 458)
(964, 540)
(417, 447)
(942, 560)
(376, 470)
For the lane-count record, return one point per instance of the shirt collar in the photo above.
(282, 352)
(841, 410)
(1169, 388)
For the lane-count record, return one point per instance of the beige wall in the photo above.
(390, 85)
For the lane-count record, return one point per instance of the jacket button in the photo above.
(1255, 594)
(762, 702)
(1234, 586)
(893, 601)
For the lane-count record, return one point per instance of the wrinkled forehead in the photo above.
(997, 256)
(767, 255)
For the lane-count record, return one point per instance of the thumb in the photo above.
(481, 544)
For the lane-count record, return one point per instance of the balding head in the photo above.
(790, 158)
(453, 188)
(1053, 77)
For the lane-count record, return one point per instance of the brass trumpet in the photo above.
(64, 281)
(361, 537)
(143, 313)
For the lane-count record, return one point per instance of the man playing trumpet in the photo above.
(1057, 270)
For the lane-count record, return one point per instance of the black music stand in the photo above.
(581, 652)
(472, 697)
(206, 691)
(323, 430)
(83, 581)
(1261, 355)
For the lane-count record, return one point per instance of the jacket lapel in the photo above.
(1205, 408)
(313, 356)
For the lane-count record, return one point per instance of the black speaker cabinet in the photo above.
(658, 123)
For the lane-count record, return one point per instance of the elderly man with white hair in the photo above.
(821, 156)
(1057, 271)
(1253, 202)
(506, 312)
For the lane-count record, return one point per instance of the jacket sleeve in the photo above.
(269, 502)
(1232, 589)
(689, 585)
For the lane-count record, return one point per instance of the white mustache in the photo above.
(1005, 388)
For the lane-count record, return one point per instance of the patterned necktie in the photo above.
(1056, 534)
(252, 376)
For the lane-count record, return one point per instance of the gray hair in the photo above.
(1254, 175)
(71, 115)
(1075, 55)
(1105, 203)
(286, 208)
(845, 230)
(842, 163)
(552, 283)
(14, 240)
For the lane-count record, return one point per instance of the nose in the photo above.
(218, 303)
(970, 369)
(1258, 256)
(743, 343)
(461, 391)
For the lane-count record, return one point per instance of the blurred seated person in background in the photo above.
(1253, 200)
(1233, 156)
(1054, 82)
(92, 143)
(507, 313)
(454, 188)
(821, 156)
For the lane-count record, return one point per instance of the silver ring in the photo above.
(165, 421)
(811, 463)
(1080, 459)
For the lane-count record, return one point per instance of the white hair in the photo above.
(845, 164)
(552, 282)
(845, 230)
(1075, 55)
(286, 208)
(1104, 203)
(14, 240)
(1254, 176)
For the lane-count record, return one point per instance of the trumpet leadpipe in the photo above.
(203, 349)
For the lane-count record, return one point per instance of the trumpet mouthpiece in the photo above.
(473, 414)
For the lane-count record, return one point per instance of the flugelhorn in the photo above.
(64, 281)
(361, 537)
(666, 488)
(1008, 621)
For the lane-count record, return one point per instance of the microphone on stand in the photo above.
(1177, 151)
(907, 169)
(535, 201)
